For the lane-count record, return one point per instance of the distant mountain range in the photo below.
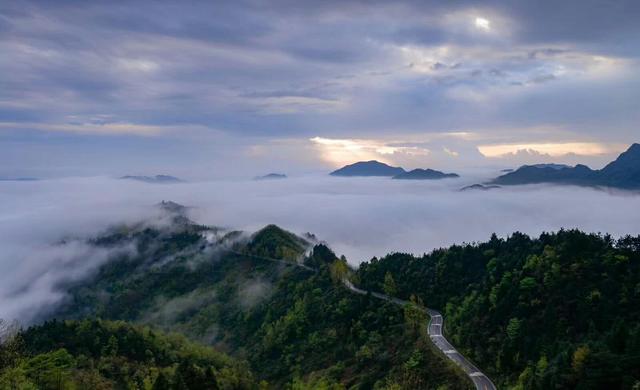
(157, 179)
(376, 168)
(425, 174)
(622, 173)
(271, 176)
(479, 187)
(18, 179)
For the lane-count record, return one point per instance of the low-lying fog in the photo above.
(358, 217)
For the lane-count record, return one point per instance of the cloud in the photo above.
(338, 152)
(551, 149)
(91, 127)
(32, 285)
(252, 292)
(164, 311)
(358, 217)
(251, 70)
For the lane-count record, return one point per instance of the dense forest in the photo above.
(94, 354)
(270, 311)
(559, 311)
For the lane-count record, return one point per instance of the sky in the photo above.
(234, 89)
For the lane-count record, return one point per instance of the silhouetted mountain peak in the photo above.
(479, 187)
(153, 179)
(271, 176)
(368, 168)
(624, 172)
(630, 159)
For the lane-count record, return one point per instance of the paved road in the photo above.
(480, 380)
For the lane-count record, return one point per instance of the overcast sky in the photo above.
(218, 89)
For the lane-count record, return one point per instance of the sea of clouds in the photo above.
(357, 217)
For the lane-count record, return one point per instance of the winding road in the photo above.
(436, 323)
(434, 328)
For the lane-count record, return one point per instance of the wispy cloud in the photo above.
(552, 149)
(344, 151)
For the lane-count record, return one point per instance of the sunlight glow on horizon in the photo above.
(339, 152)
(551, 149)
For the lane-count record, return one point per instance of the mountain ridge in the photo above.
(271, 176)
(623, 173)
(425, 174)
(157, 179)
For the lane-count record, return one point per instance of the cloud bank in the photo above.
(358, 217)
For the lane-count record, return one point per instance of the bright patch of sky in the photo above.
(482, 24)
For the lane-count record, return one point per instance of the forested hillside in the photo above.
(292, 320)
(558, 311)
(92, 354)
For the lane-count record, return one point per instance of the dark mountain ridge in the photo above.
(368, 168)
(271, 176)
(425, 174)
(157, 179)
(479, 187)
(376, 168)
(622, 173)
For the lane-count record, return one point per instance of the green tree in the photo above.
(389, 286)
(415, 316)
(51, 370)
(339, 270)
(161, 382)
(15, 378)
(513, 328)
(579, 359)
